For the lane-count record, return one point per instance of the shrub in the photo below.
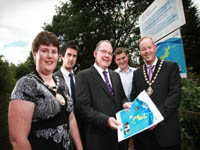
(190, 114)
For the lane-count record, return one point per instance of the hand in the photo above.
(127, 105)
(113, 123)
(153, 127)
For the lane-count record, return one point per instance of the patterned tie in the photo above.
(73, 94)
(105, 73)
(150, 72)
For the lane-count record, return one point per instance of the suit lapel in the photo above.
(156, 68)
(96, 76)
(59, 74)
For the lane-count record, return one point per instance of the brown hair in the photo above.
(44, 38)
(119, 50)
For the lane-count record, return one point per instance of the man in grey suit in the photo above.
(162, 82)
(100, 95)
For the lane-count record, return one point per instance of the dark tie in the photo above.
(105, 73)
(150, 72)
(73, 94)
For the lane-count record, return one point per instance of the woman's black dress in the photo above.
(50, 122)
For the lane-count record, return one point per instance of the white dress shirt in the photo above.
(126, 78)
(67, 78)
(100, 71)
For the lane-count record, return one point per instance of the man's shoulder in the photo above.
(170, 64)
(132, 68)
(86, 71)
(112, 71)
(117, 70)
(58, 72)
(138, 70)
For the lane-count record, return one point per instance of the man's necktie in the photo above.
(105, 73)
(72, 88)
(150, 72)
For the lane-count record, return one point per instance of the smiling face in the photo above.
(122, 61)
(103, 55)
(69, 59)
(46, 59)
(147, 50)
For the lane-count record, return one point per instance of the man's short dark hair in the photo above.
(66, 45)
(119, 50)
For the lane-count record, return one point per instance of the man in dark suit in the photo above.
(68, 52)
(99, 96)
(162, 82)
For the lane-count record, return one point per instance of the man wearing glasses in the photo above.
(100, 95)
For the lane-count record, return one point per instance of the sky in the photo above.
(21, 21)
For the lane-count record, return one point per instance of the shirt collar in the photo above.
(65, 72)
(120, 70)
(154, 63)
(99, 69)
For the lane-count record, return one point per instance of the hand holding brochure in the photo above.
(142, 115)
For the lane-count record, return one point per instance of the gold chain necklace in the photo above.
(59, 97)
(149, 89)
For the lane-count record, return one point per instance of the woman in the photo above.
(41, 111)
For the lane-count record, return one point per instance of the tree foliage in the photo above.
(191, 35)
(7, 81)
(24, 68)
(90, 21)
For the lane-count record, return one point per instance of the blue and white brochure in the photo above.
(142, 115)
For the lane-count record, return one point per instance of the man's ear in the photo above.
(155, 47)
(95, 54)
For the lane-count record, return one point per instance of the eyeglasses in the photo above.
(104, 52)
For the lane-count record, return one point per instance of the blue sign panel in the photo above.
(172, 50)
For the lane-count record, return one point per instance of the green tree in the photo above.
(191, 36)
(89, 21)
(7, 82)
(24, 68)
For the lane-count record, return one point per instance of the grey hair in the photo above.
(100, 42)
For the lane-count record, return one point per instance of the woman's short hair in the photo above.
(44, 38)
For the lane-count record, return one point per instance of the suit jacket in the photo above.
(166, 96)
(79, 121)
(95, 104)
(59, 74)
